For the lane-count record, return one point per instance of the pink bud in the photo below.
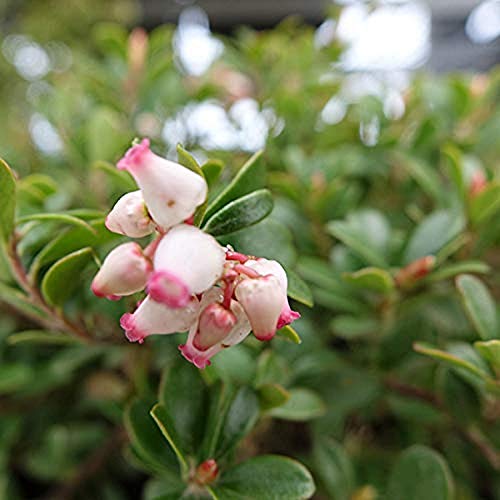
(214, 325)
(187, 261)
(239, 331)
(206, 472)
(154, 318)
(263, 300)
(265, 267)
(130, 216)
(171, 192)
(124, 272)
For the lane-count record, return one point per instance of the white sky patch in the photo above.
(194, 44)
(390, 37)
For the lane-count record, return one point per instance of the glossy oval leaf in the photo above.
(240, 213)
(7, 200)
(334, 468)
(266, 477)
(486, 203)
(272, 396)
(371, 278)
(211, 170)
(289, 333)
(60, 218)
(184, 395)
(433, 233)
(64, 276)
(489, 350)
(146, 437)
(187, 160)
(479, 306)
(298, 289)
(420, 473)
(302, 405)
(249, 178)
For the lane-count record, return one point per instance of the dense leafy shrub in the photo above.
(387, 206)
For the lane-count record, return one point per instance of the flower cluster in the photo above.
(192, 283)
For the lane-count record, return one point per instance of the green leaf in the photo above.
(458, 360)
(268, 477)
(18, 300)
(272, 396)
(211, 170)
(479, 306)
(7, 200)
(249, 178)
(486, 203)
(451, 270)
(122, 178)
(40, 337)
(433, 233)
(241, 416)
(13, 376)
(146, 437)
(353, 327)
(489, 350)
(420, 473)
(240, 213)
(371, 278)
(366, 233)
(184, 395)
(303, 405)
(187, 160)
(423, 174)
(298, 289)
(62, 278)
(165, 423)
(164, 489)
(289, 333)
(60, 218)
(334, 468)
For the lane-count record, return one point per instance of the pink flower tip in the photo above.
(265, 337)
(98, 293)
(287, 316)
(168, 289)
(131, 332)
(134, 156)
(193, 356)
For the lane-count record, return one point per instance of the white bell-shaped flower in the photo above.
(187, 261)
(171, 192)
(130, 216)
(263, 300)
(151, 317)
(124, 271)
(265, 267)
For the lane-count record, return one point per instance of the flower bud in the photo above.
(415, 271)
(130, 216)
(239, 331)
(263, 300)
(206, 472)
(265, 267)
(214, 325)
(124, 272)
(187, 261)
(154, 318)
(171, 192)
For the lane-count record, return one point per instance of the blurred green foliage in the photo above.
(386, 204)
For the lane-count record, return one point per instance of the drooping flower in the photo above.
(124, 271)
(171, 192)
(130, 216)
(187, 261)
(151, 317)
(263, 300)
(265, 267)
